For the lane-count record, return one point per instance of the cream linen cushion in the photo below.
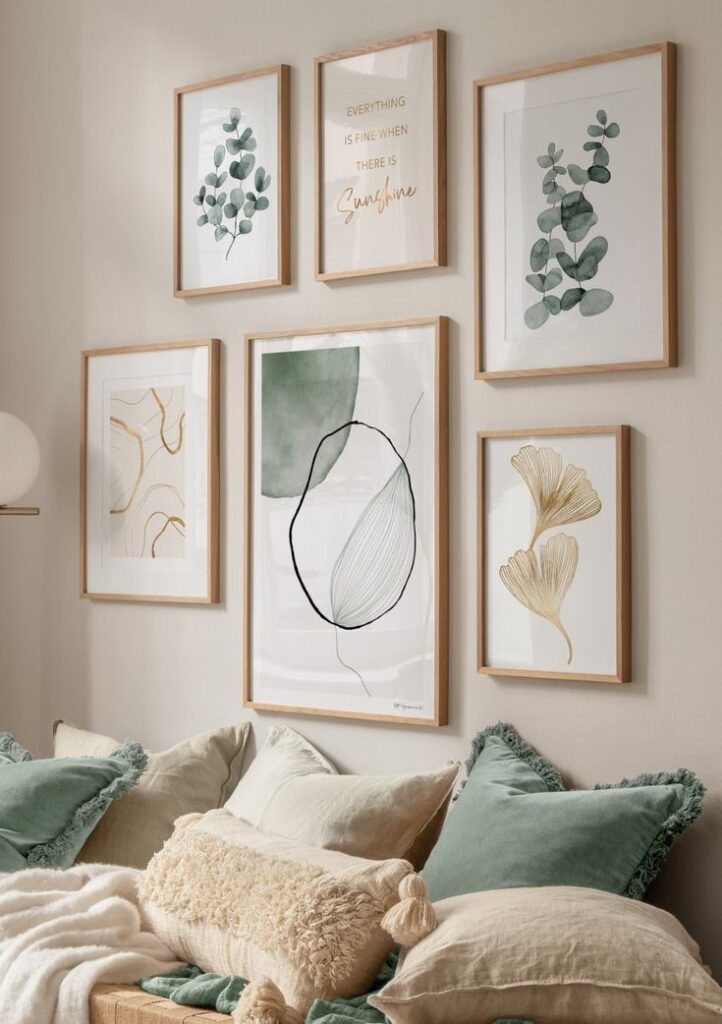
(194, 776)
(294, 791)
(234, 900)
(557, 955)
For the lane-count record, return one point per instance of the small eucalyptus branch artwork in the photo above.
(230, 214)
(561, 496)
(573, 213)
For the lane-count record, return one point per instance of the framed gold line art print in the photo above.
(346, 521)
(575, 192)
(149, 473)
(232, 183)
(554, 553)
(381, 158)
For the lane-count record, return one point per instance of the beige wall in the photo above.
(85, 260)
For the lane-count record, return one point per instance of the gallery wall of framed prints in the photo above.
(149, 473)
(575, 226)
(346, 521)
(232, 183)
(381, 158)
(346, 428)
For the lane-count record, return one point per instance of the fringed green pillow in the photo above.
(49, 807)
(515, 824)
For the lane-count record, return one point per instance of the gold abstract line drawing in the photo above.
(542, 586)
(145, 473)
(560, 497)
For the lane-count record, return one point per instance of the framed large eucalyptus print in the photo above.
(346, 521)
(232, 183)
(149, 472)
(381, 158)
(575, 192)
(554, 553)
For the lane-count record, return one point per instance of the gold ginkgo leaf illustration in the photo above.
(542, 586)
(560, 497)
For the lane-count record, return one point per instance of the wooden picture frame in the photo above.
(206, 464)
(436, 171)
(282, 274)
(666, 350)
(621, 559)
(436, 436)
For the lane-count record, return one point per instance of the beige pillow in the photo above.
(234, 900)
(196, 775)
(294, 791)
(559, 955)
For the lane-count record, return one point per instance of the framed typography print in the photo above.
(575, 192)
(232, 185)
(554, 553)
(150, 473)
(381, 158)
(346, 524)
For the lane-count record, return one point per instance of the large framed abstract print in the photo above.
(232, 183)
(381, 158)
(575, 221)
(346, 521)
(554, 553)
(150, 473)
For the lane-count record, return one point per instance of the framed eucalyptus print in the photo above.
(381, 158)
(149, 473)
(346, 521)
(575, 192)
(554, 558)
(232, 186)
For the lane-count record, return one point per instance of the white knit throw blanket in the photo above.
(61, 932)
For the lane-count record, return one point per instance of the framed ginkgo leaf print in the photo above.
(575, 194)
(346, 521)
(232, 185)
(554, 553)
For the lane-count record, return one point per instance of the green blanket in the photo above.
(189, 986)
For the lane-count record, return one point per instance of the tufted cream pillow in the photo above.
(193, 776)
(234, 900)
(558, 955)
(294, 791)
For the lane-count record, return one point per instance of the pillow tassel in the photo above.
(413, 917)
(262, 1002)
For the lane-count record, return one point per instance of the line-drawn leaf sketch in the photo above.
(560, 497)
(542, 586)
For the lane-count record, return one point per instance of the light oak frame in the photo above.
(668, 213)
(441, 553)
(438, 36)
(283, 73)
(623, 555)
(214, 429)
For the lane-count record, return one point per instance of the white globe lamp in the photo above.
(19, 459)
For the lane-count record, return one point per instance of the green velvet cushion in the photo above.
(515, 824)
(48, 808)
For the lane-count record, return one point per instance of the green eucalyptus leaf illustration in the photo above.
(559, 169)
(245, 227)
(220, 232)
(601, 156)
(578, 175)
(245, 165)
(595, 130)
(211, 200)
(556, 195)
(219, 155)
(249, 208)
(586, 268)
(577, 216)
(536, 281)
(596, 248)
(197, 200)
(544, 161)
(552, 303)
(539, 254)
(221, 178)
(599, 174)
(555, 247)
(215, 215)
(202, 191)
(537, 315)
(551, 150)
(203, 219)
(553, 278)
(549, 177)
(236, 197)
(233, 146)
(549, 219)
(557, 155)
(234, 116)
(595, 301)
(227, 127)
(602, 116)
(567, 264)
(211, 180)
(230, 211)
(262, 203)
(250, 144)
(221, 198)
(259, 178)
(233, 169)
(245, 135)
(589, 146)
(571, 297)
(612, 130)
